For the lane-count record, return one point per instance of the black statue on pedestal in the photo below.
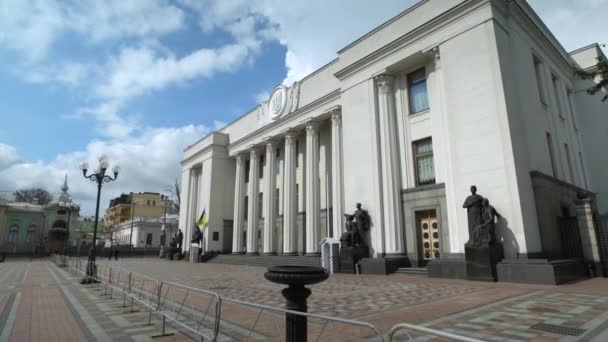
(352, 245)
(482, 251)
(363, 221)
(197, 237)
(180, 240)
(484, 233)
(347, 240)
(473, 206)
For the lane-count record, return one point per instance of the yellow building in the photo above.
(143, 204)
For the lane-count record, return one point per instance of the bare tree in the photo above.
(33, 195)
(174, 197)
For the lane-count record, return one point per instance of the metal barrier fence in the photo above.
(210, 316)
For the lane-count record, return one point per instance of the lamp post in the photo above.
(163, 227)
(98, 177)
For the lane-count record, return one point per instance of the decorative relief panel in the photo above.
(283, 100)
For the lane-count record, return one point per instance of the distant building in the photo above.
(31, 228)
(145, 232)
(144, 204)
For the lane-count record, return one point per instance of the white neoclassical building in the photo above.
(447, 94)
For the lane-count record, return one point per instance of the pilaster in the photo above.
(239, 209)
(252, 218)
(289, 195)
(313, 198)
(389, 156)
(269, 246)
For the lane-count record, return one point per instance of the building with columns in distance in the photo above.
(445, 95)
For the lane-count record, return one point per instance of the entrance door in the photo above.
(429, 236)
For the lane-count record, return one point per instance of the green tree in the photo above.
(599, 72)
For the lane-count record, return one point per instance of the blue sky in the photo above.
(139, 80)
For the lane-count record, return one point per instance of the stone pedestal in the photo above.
(194, 255)
(349, 256)
(481, 261)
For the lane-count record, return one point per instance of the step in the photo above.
(412, 270)
(264, 260)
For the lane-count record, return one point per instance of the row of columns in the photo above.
(313, 196)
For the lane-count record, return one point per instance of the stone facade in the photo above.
(404, 121)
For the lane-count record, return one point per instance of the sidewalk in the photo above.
(39, 302)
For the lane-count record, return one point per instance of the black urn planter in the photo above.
(296, 277)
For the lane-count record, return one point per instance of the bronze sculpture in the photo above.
(484, 232)
(473, 205)
(347, 240)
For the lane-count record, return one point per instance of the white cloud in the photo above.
(574, 23)
(8, 156)
(107, 119)
(137, 71)
(312, 31)
(149, 161)
(262, 96)
(33, 26)
(67, 73)
(30, 26)
(110, 19)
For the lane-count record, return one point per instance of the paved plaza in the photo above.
(42, 302)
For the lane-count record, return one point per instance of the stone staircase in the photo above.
(265, 260)
(412, 271)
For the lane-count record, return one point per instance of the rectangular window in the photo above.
(558, 106)
(149, 239)
(417, 91)
(539, 78)
(247, 166)
(216, 236)
(423, 161)
(551, 154)
(569, 161)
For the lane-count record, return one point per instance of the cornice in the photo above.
(262, 131)
(201, 152)
(419, 32)
(541, 37)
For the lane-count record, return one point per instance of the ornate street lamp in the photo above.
(69, 207)
(98, 177)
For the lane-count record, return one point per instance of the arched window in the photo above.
(31, 234)
(13, 233)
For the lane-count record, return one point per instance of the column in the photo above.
(269, 246)
(586, 226)
(193, 209)
(252, 220)
(239, 190)
(312, 189)
(289, 196)
(184, 213)
(389, 155)
(336, 165)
